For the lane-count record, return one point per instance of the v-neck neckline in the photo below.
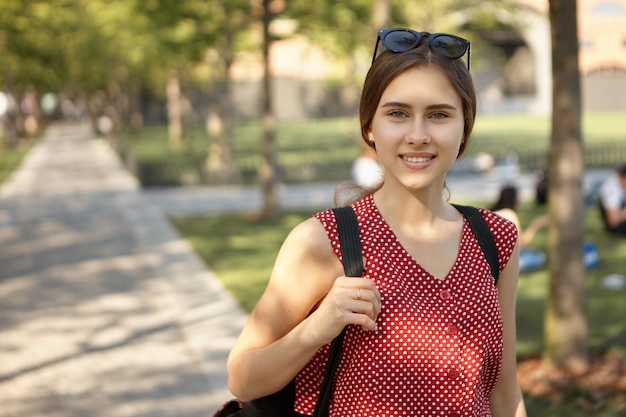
(408, 255)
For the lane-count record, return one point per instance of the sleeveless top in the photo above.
(438, 347)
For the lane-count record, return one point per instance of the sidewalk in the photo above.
(104, 309)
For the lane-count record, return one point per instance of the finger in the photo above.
(363, 313)
(363, 320)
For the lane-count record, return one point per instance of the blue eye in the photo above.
(397, 113)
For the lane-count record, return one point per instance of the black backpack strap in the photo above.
(349, 241)
(352, 257)
(483, 234)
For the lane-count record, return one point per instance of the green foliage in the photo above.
(85, 44)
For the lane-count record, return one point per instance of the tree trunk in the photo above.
(10, 118)
(381, 14)
(220, 166)
(174, 110)
(269, 171)
(565, 322)
(135, 119)
(117, 105)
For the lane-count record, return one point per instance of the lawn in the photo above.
(10, 158)
(322, 150)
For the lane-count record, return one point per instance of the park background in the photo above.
(175, 88)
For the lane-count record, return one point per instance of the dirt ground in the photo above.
(603, 380)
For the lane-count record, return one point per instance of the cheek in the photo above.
(452, 135)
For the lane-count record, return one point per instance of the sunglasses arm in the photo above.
(375, 49)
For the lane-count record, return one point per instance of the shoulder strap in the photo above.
(349, 241)
(352, 257)
(483, 234)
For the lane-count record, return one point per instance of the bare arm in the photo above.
(529, 234)
(615, 216)
(506, 399)
(306, 304)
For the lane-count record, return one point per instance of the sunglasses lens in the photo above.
(400, 41)
(449, 46)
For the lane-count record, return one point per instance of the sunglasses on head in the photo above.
(402, 40)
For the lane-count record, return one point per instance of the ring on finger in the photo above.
(358, 293)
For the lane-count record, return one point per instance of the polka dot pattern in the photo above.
(438, 347)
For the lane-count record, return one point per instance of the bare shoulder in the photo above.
(305, 268)
(308, 245)
(509, 215)
(308, 242)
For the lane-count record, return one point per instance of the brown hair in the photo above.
(507, 199)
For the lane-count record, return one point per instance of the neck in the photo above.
(404, 206)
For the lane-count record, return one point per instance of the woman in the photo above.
(428, 333)
(506, 206)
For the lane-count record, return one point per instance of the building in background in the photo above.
(602, 54)
(307, 84)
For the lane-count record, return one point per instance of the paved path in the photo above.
(468, 187)
(104, 309)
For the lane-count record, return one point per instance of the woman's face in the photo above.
(418, 128)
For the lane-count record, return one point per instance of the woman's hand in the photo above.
(349, 301)
(304, 307)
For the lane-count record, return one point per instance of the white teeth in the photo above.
(417, 158)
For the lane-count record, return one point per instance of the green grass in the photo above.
(10, 158)
(320, 150)
(520, 132)
(305, 150)
(323, 138)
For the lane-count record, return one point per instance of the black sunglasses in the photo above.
(402, 40)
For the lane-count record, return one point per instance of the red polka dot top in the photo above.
(438, 347)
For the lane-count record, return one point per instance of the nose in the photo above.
(418, 134)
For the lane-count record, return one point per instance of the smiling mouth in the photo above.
(417, 158)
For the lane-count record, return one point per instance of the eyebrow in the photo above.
(429, 107)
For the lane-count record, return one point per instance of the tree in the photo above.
(235, 18)
(270, 177)
(565, 323)
(184, 30)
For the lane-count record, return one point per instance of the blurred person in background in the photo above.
(612, 201)
(506, 206)
(366, 171)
